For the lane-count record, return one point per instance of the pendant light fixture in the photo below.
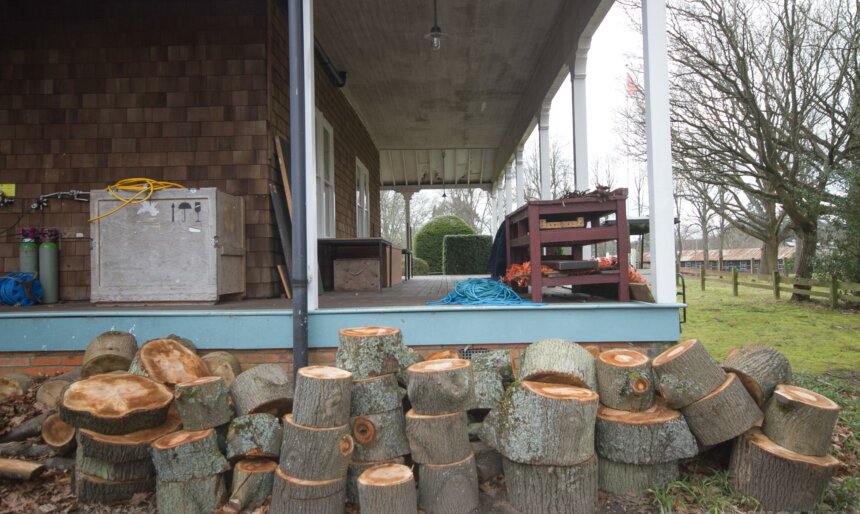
(435, 35)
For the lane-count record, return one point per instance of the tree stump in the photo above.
(13, 385)
(449, 488)
(726, 413)
(51, 390)
(800, 420)
(492, 372)
(129, 447)
(539, 423)
(202, 495)
(91, 489)
(264, 388)
(760, 368)
(113, 471)
(441, 386)
(443, 354)
(370, 351)
(253, 436)
(224, 365)
(109, 351)
(203, 403)
(169, 361)
(438, 439)
(356, 468)
(552, 489)
(58, 434)
(252, 483)
(115, 404)
(622, 478)
(15, 469)
(625, 380)
(380, 436)
(295, 496)
(376, 394)
(313, 453)
(557, 361)
(322, 397)
(687, 373)
(185, 455)
(655, 436)
(387, 489)
(780, 479)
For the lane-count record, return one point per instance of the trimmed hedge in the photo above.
(420, 267)
(428, 240)
(466, 255)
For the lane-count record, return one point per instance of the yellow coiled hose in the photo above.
(143, 189)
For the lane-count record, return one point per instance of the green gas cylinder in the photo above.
(28, 251)
(49, 265)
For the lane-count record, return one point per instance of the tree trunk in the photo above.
(109, 351)
(376, 394)
(128, 447)
(534, 489)
(387, 489)
(800, 420)
(760, 368)
(58, 435)
(559, 362)
(438, 439)
(449, 488)
(20, 469)
(356, 468)
(726, 413)
(51, 390)
(252, 483)
(370, 351)
(492, 372)
(293, 496)
(203, 403)
(169, 361)
(185, 455)
(807, 240)
(487, 460)
(27, 429)
(380, 436)
(264, 388)
(655, 436)
(779, 479)
(310, 453)
(113, 471)
(13, 385)
(706, 252)
(224, 365)
(687, 373)
(441, 386)
(322, 397)
(625, 380)
(90, 489)
(621, 478)
(201, 495)
(254, 436)
(770, 256)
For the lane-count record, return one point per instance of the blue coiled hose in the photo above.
(20, 288)
(482, 291)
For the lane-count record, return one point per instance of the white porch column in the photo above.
(521, 192)
(311, 156)
(580, 118)
(500, 202)
(543, 139)
(659, 150)
(407, 199)
(508, 179)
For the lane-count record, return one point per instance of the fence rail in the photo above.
(835, 291)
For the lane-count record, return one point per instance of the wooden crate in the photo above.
(573, 223)
(356, 275)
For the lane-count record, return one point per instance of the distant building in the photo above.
(746, 260)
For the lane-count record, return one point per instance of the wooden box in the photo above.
(356, 275)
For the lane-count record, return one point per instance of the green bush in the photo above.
(466, 255)
(420, 266)
(428, 240)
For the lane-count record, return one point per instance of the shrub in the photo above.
(466, 254)
(428, 240)
(420, 266)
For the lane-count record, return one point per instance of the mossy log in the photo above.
(51, 390)
(295, 496)
(322, 397)
(26, 429)
(356, 468)
(115, 404)
(313, 453)
(370, 351)
(438, 439)
(91, 489)
(780, 479)
(800, 420)
(622, 478)
(109, 351)
(58, 434)
(625, 380)
(13, 385)
(655, 436)
(264, 388)
(15, 469)
(534, 489)
(203, 403)
(113, 471)
(557, 361)
(492, 373)
(185, 455)
(128, 447)
(539, 423)
(726, 413)
(376, 394)
(379, 436)
(408, 357)
(252, 483)
(441, 386)
(202, 495)
(686, 373)
(760, 368)
(254, 436)
(449, 488)
(169, 361)
(224, 365)
(387, 489)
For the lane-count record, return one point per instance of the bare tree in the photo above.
(560, 168)
(392, 209)
(470, 204)
(699, 196)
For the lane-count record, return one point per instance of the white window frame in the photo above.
(362, 200)
(325, 178)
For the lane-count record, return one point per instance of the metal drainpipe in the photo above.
(298, 165)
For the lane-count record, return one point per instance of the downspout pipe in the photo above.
(298, 165)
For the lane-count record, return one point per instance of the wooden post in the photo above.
(702, 276)
(834, 292)
(776, 285)
(734, 281)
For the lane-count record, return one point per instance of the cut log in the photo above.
(487, 460)
(168, 361)
(625, 380)
(311, 453)
(20, 469)
(185, 455)
(687, 373)
(449, 488)
(408, 357)
(264, 388)
(224, 365)
(201, 495)
(492, 373)
(380, 436)
(115, 404)
(25, 450)
(252, 483)
(520, 427)
(356, 468)
(60, 463)
(800, 420)
(90, 489)
(185, 341)
(655, 436)
(438, 439)
(441, 386)
(387, 489)
(13, 385)
(58, 434)
(322, 397)
(51, 390)
(294, 496)
(109, 351)
(552, 489)
(760, 368)
(113, 471)
(375, 394)
(203, 403)
(726, 413)
(253, 436)
(622, 478)
(444, 354)
(557, 361)
(129, 447)
(780, 479)
(370, 351)
(27, 429)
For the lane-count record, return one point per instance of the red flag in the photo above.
(631, 86)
